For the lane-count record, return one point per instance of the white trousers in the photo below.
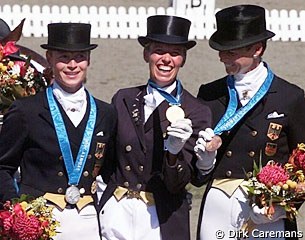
(129, 219)
(76, 225)
(224, 216)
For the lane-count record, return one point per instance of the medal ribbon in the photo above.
(74, 169)
(231, 116)
(168, 97)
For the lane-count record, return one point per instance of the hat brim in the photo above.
(219, 44)
(145, 40)
(73, 49)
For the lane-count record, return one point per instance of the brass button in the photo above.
(228, 173)
(82, 191)
(141, 168)
(128, 148)
(61, 158)
(60, 190)
(164, 135)
(251, 153)
(126, 184)
(127, 168)
(254, 133)
(60, 174)
(229, 154)
(139, 185)
(227, 133)
(249, 174)
(86, 173)
(89, 156)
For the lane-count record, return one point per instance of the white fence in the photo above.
(121, 22)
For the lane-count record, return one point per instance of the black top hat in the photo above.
(69, 37)
(239, 26)
(167, 29)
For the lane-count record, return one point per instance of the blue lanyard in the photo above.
(74, 170)
(168, 97)
(231, 116)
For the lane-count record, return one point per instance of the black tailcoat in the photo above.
(283, 105)
(28, 139)
(141, 159)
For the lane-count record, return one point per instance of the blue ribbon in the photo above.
(168, 97)
(74, 170)
(231, 116)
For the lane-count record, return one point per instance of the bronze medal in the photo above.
(274, 131)
(72, 195)
(214, 144)
(174, 113)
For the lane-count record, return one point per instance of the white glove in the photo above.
(205, 159)
(178, 133)
(258, 215)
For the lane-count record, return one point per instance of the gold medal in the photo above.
(214, 144)
(174, 113)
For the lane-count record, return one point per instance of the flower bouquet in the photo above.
(27, 218)
(282, 185)
(17, 77)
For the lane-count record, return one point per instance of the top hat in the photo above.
(167, 29)
(239, 26)
(70, 37)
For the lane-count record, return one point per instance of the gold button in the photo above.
(126, 184)
(251, 153)
(86, 173)
(254, 133)
(228, 173)
(179, 168)
(139, 185)
(60, 174)
(127, 168)
(82, 191)
(249, 174)
(141, 168)
(227, 133)
(128, 148)
(229, 154)
(164, 135)
(60, 190)
(89, 156)
(61, 158)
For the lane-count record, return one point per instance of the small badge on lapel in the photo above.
(274, 131)
(99, 150)
(270, 149)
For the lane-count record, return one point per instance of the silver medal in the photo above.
(72, 195)
(174, 113)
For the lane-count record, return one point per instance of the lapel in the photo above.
(45, 110)
(161, 110)
(135, 108)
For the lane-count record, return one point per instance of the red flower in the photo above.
(8, 48)
(27, 227)
(297, 158)
(272, 174)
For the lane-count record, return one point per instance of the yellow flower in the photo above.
(24, 205)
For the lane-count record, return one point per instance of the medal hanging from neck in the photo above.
(174, 112)
(232, 116)
(74, 169)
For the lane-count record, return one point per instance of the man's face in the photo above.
(241, 60)
(164, 61)
(69, 68)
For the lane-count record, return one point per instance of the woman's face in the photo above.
(69, 68)
(241, 60)
(164, 61)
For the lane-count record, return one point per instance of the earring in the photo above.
(255, 56)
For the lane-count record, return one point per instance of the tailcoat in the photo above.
(28, 139)
(141, 161)
(270, 130)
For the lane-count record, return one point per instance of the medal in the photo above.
(214, 144)
(72, 195)
(174, 113)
